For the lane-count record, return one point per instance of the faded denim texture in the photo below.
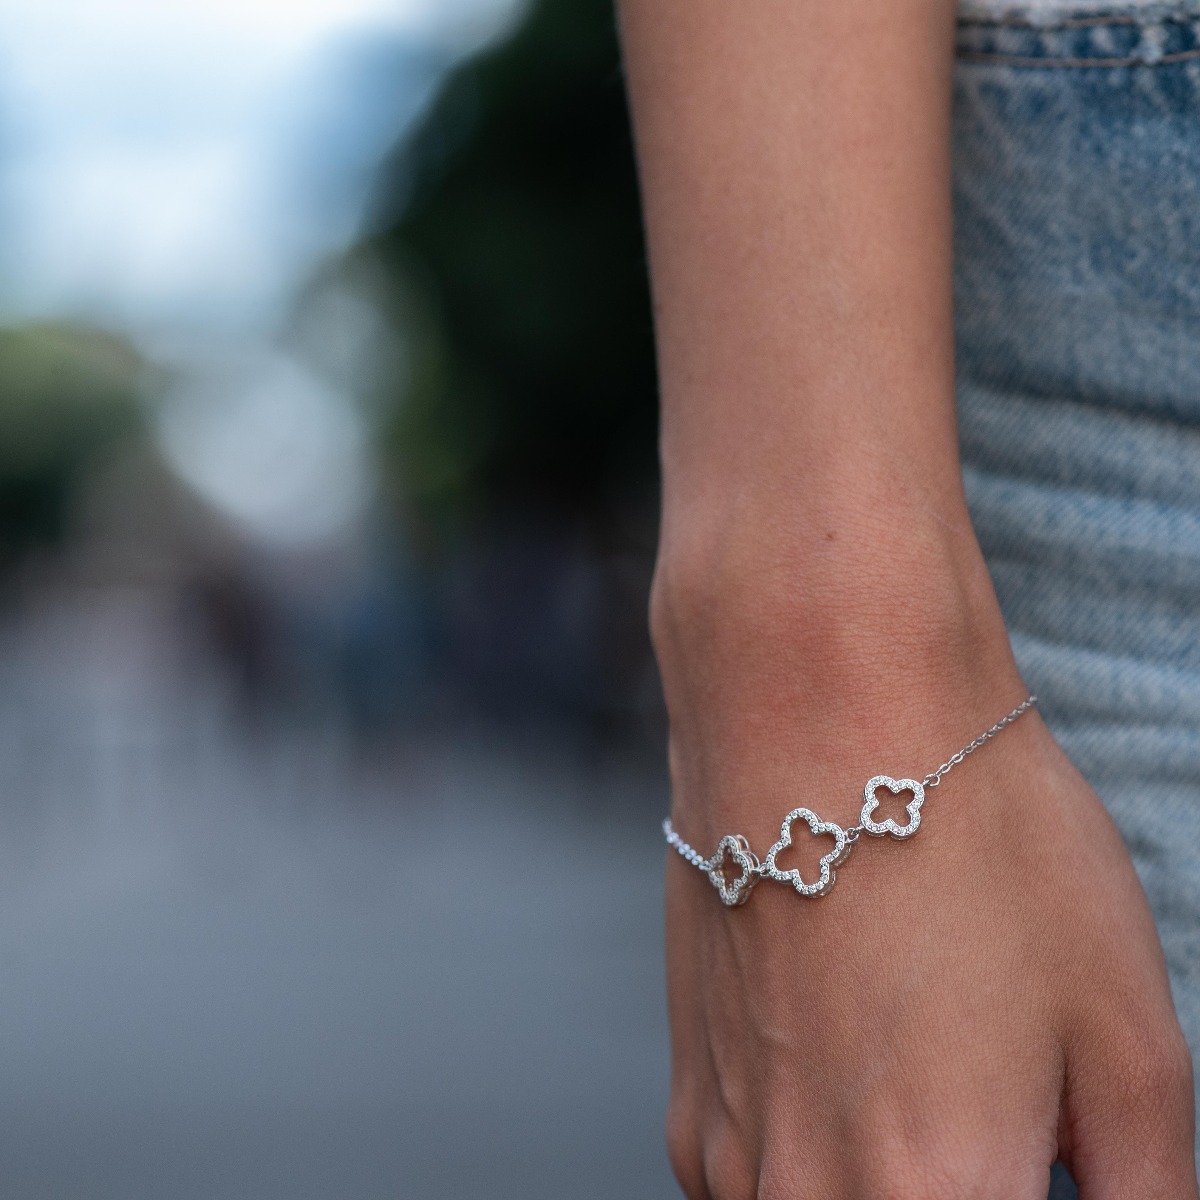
(1077, 240)
(1054, 12)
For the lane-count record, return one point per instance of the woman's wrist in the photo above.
(794, 672)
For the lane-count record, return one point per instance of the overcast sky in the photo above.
(174, 164)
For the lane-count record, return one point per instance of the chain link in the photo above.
(689, 852)
(935, 777)
(854, 832)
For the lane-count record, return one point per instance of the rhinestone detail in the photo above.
(836, 856)
(733, 846)
(895, 786)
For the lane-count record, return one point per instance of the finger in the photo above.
(1129, 1130)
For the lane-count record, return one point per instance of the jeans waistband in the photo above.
(1126, 38)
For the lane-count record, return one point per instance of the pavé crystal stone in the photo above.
(895, 786)
(735, 891)
(836, 856)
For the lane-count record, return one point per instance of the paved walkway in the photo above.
(242, 968)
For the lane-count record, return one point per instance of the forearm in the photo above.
(794, 160)
(817, 566)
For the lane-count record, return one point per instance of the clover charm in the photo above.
(736, 847)
(836, 856)
(895, 786)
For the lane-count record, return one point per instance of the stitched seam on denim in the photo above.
(1070, 22)
(1020, 60)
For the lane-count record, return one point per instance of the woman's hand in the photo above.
(966, 1006)
(963, 1008)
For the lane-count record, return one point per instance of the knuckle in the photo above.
(710, 1161)
(1158, 1071)
(977, 1180)
(790, 1183)
(1173, 1065)
(941, 1175)
(1171, 1075)
(774, 1188)
(728, 1172)
(931, 1184)
(684, 1151)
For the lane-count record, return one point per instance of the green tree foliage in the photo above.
(516, 233)
(66, 394)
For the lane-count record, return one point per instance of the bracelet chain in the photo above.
(736, 847)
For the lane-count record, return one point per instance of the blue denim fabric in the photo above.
(1077, 241)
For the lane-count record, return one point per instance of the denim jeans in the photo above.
(1077, 243)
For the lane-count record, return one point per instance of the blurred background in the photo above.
(330, 739)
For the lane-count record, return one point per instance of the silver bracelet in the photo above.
(733, 846)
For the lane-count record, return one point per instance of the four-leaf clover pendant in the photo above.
(841, 848)
(734, 888)
(895, 786)
(736, 891)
